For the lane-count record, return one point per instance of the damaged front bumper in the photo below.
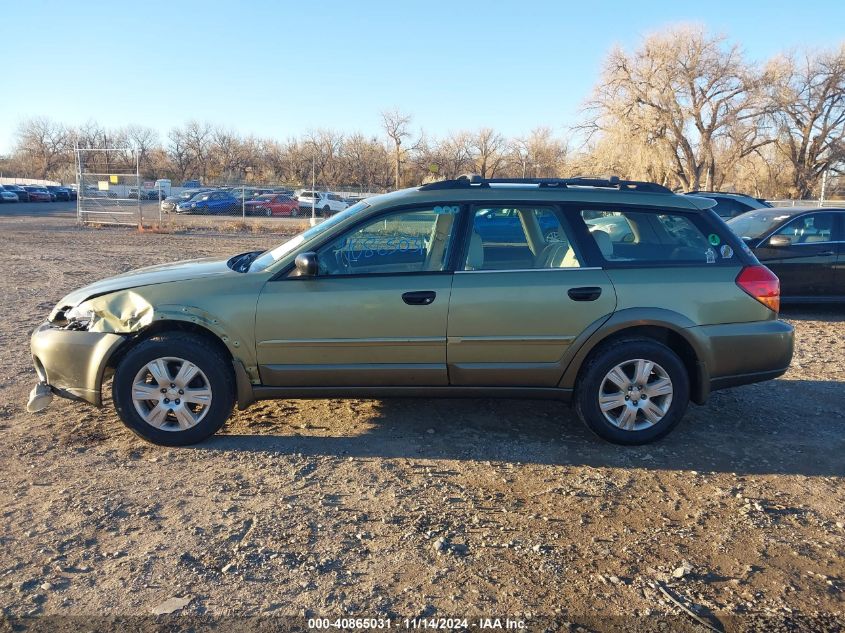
(72, 363)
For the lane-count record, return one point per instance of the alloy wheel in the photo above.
(636, 394)
(171, 394)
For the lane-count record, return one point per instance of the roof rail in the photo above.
(474, 180)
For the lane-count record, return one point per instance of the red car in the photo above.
(273, 204)
(38, 194)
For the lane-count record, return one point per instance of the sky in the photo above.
(278, 69)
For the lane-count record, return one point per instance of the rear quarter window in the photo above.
(639, 236)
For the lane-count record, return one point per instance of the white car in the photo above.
(324, 202)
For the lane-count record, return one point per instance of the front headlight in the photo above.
(82, 314)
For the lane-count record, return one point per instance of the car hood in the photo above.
(150, 275)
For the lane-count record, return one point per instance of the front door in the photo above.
(374, 315)
(520, 298)
(806, 265)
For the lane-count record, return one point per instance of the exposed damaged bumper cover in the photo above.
(72, 362)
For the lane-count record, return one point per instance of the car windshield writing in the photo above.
(280, 251)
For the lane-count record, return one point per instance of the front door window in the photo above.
(411, 241)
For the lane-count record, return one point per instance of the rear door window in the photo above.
(654, 236)
(521, 238)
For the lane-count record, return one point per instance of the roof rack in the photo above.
(474, 180)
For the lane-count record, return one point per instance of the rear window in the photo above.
(658, 237)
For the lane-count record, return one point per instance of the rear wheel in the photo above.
(632, 392)
(174, 389)
(294, 212)
(327, 211)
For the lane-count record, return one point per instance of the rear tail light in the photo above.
(762, 284)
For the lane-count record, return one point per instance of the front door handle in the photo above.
(825, 254)
(419, 297)
(586, 293)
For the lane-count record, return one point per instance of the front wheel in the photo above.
(632, 392)
(174, 389)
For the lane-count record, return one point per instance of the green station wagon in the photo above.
(620, 297)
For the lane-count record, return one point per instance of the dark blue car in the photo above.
(211, 203)
(503, 226)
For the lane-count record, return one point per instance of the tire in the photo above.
(327, 211)
(269, 213)
(653, 415)
(294, 213)
(214, 373)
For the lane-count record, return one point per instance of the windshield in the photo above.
(280, 251)
(307, 194)
(265, 196)
(754, 224)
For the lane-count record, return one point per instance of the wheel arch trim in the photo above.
(190, 320)
(671, 328)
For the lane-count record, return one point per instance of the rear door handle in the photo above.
(826, 254)
(585, 293)
(419, 297)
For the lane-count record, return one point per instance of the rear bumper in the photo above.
(71, 362)
(743, 353)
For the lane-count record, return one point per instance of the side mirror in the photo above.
(306, 264)
(780, 241)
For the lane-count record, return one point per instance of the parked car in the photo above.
(169, 204)
(59, 193)
(7, 195)
(192, 184)
(503, 225)
(273, 204)
(628, 332)
(146, 194)
(72, 192)
(325, 203)
(210, 203)
(803, 246)
(20, 192)
(38, 194)
(730, 205)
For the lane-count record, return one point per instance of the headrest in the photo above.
(604, 242)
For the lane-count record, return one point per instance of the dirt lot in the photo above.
(408, 508)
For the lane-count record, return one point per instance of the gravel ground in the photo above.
(413, 508)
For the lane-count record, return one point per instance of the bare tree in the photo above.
(488, 148)
(197, 137)
(143, 140)
(539, 154)
(395, 125)
(179, 153)
(227, 152)
(45, 144)
(809, 110)
(690, 86)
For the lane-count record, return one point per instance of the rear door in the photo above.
(520, 296)
(806, 264)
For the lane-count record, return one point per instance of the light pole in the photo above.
(313, 189)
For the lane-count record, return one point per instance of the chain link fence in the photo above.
(248, 205)
(106, 179)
